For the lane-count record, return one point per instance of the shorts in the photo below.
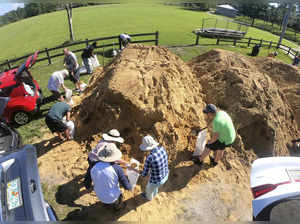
(55, 125)
(217, 145)
(75, 78)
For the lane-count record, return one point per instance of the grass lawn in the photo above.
(290, 33)
(174, 24)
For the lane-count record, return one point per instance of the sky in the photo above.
(6, 7)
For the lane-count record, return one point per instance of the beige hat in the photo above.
(113, 135)
(148, 143)
(109, 153)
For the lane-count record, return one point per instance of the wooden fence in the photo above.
(50, 52)
(252, 41)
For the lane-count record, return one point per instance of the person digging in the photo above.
(223, 134)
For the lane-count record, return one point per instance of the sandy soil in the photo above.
(149, 90)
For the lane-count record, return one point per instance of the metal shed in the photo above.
(226, 10)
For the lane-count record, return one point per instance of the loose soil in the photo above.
(149, 90)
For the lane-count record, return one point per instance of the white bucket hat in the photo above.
(109, 153)
(148, 143)
(113, 135)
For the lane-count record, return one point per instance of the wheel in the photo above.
(40, 99)
(21, 117)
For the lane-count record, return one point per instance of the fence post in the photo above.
(197, 39)
(218, 40)
(261, 42)
(270, 45)
(120, 44)
(9, 66)
(156, 38)
(249, 41)
(289, 51)
(87, 42)
(234, 42)
(48, 56)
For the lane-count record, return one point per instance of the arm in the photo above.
(64, 87)
(214, 137)
(147, 166)
(68, 115)
(122, 178)
(122, 162)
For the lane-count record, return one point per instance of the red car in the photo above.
(24, 92)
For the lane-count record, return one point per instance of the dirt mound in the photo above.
(259, 109)
(149, 90)
(287, 78)
(146, 90)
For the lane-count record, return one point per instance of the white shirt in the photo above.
(55, 81)
(106, 182)
(124, 36)
(75, 58)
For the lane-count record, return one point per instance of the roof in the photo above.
(226, 7)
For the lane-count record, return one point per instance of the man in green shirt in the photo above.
(223, 134)
(55, 116)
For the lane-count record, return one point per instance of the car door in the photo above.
(22, 198)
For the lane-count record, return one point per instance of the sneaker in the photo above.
(144, 196)
(212, 161)
(198, 162)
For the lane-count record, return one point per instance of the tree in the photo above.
(252, 8)
(69, 12)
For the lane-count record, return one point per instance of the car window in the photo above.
(286, 212)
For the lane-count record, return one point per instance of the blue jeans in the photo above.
(152, 189)
(86, 63)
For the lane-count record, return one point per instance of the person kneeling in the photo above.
(54, 119)
(223, 134)
(106, 175)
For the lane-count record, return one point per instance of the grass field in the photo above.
(290, 33)
(174, 24)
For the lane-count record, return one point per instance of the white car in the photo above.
(275, 184)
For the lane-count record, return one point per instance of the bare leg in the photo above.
(67, 133)
(218, 155)
(60, 135)
(204, 154)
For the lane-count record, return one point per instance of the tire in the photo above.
(40, 99)
(21, 118)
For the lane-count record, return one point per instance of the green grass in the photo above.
(174, 23)
(290, 33)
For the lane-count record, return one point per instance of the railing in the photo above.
(50, 52)
(253, 41)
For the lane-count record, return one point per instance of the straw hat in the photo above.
(148, 143)
(109, 153)
(113, 135)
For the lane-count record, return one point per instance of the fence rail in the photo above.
(49, 52)
(252, 41)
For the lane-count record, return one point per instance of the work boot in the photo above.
(212, 161)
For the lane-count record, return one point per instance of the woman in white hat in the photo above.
(157, 164)
(107, 175)
(114, 137)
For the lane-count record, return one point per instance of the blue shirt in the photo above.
(106, 178)
(157, 163)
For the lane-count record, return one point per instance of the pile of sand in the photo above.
(149, 90)
(262, 115)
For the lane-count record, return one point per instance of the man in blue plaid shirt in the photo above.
(157, 164)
